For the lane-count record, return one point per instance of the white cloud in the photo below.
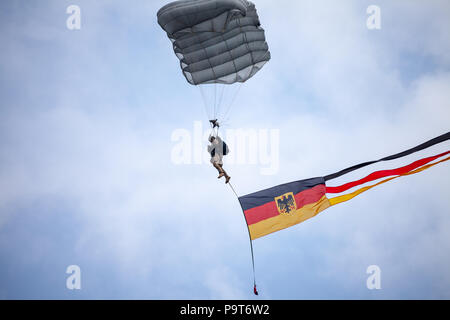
(335, 90)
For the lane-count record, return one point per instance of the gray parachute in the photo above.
(217, 41)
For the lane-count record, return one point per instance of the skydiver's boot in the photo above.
(220, 169)
(227, 177)
(222, 172)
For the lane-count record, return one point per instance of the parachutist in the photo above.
(240, 30)
(217, 149)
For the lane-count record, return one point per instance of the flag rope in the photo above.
(255, 291)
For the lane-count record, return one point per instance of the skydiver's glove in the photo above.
(215, 123)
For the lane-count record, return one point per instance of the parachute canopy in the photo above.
(217, 41)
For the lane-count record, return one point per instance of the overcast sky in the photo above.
(87, 177)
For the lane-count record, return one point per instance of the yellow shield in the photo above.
(286, 203)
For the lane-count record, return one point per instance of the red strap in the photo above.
(384, 173)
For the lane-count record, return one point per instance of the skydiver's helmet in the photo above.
(211, 139)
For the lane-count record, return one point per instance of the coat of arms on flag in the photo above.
(286, 203)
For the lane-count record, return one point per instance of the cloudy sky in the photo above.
(88, 121)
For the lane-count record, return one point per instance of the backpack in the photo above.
(225, 149)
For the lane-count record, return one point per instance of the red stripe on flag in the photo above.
(384, 173)
(270, 210)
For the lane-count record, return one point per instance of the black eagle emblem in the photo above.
(286, 203)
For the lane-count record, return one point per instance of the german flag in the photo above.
(283, 206)
(412, 168)
(286, 205)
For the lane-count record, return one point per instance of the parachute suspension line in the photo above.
(215, 77)
(226, 118)
(255, 291)
(204, 98)
(237, 73)
(249, 73)
(215, 101)
(231, 105)
(236, 93)
(219, 103)
(212, 131)
(205, 102)
(218, 96)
